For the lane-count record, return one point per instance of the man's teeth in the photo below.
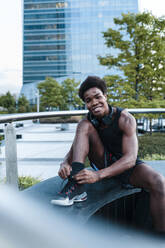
(95, 109)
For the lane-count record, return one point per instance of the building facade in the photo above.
(63, 38)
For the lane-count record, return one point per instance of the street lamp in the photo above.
(37, 94)
(38, 100)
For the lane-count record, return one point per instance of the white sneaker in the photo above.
(67, 201)
(72, 192)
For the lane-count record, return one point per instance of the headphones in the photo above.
(107, 119)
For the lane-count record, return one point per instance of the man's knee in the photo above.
(85, 126)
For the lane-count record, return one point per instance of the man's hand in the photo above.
(87, 176)
(64, 170)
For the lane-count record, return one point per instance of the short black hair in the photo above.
(90, 82)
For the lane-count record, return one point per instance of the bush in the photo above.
(25, 182)
(152, 147)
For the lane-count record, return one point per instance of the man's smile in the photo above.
(96, 109)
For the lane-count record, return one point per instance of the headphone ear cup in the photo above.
(93, 120)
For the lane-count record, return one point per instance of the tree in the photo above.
(8, 101)
(51, 94)
(60, 96)
(70, 93)
(118, 92)
(23, 104)
(139, 42)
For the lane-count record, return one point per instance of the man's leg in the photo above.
(87, 143)
(145, 177)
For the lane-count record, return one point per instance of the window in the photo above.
(46, 37)
(46, 26)
(45, 58)
(45, 47)
(57, 5)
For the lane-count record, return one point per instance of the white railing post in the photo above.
(11, 156)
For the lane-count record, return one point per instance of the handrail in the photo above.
(36, 115)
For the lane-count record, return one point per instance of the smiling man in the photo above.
(107, 136)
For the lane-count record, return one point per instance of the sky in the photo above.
(11, 40)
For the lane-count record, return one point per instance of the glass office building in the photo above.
(63, 38)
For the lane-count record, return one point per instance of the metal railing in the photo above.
(29, 116)
(10, 135)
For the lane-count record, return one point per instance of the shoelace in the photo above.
(68, 188)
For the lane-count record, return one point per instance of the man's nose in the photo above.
(94, 101)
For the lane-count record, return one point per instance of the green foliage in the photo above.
(154, 156)
(27, 181)
(8, 102)
(51, 94)
(152, 147)
(59, 96)
(1, 137)
(23, 104)
(70, 93)
(33, 108)
(118, 92)
(139, 42)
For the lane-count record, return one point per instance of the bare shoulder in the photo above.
(127, 122)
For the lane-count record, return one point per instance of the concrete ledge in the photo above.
(99, 195)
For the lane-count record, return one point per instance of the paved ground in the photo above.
(43, 147)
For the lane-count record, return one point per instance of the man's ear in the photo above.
(105, 95)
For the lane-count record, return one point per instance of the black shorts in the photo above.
(124, 177)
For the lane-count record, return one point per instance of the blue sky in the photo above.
(11, 40)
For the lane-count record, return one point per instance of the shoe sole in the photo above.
(80, 198)
(67, 202)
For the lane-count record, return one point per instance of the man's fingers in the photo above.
(81, 174)
(81, 179)
(64, 172)
(61, 174)
(78, 177)
(81, 182)
(86, 176)
(67, 171)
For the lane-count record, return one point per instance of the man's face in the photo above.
(96, 102)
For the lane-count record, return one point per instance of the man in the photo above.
(108, 137)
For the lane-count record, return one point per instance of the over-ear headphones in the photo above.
(107, 119)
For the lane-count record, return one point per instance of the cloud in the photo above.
(10, 80)
(156, 7)
(11, 46)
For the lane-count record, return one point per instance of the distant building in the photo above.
(63, 38)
